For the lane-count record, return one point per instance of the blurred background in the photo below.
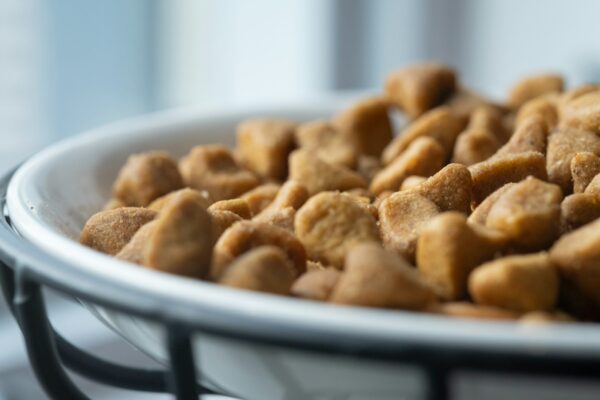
(70, 65)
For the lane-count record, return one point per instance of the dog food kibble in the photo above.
(245, 235)
(423, 157)
(328, 142)
(316, 284)
(213, 168)
(145, 177)
(109, 231)
(261, 196)
(579, 209)
(563, 145)
(401, 217)
(368, 125)
(583, 112)
(236, 206)
(180, 240)
(443, 257)
(330, 224)
(373, 277)
(584, 167)
(439, 124)
(473, 209)
(317, 175)
(264, 146)
(518, 283)
(418, 88)
(534, 86)
(528, 213)
(493, 173)
(263, 269)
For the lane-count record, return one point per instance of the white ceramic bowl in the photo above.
(53, 193)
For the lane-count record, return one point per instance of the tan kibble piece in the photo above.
(222, 220)
(281, 217)
(449, 248)
(314, 266)
(481, 212)
(545, 317)
(213, 168)
(201, 196)
(418, 88)
(181, 239)
(584, 167)
(368, 166)
(464, 102)
(236, 206)
(330, 224)
(282, 210)
(544, 107)
(440, 124)
(578, 91)
(579, 209)
(381, 197)
(374, 277)
(424, 156)
(364, 202)
(262, 269)
(530, 135)
(401, 217)
(520, 283)
(261, 196)
(145, 177)
(489, 175)
(264, 145)
(528, 213)
(317, 175)
(317, 284)
(362, 193)
(113, 204)
(109, 231)
(462, 309)
(328, 142)
(411, 182)
(577, 255)
(582, 112)
(534, 86)
(563, 145)
(134, 250)
(367, 125)
(593, 188)
(491, 119)
(475, 145)
(245, 235)
(450, 189)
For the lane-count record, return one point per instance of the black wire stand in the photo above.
(24, 271)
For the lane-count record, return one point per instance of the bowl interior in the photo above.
(53, 194)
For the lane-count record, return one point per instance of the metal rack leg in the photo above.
(31, 314)
(437, 383)
(182, 377)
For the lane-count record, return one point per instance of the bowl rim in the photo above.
(211, 306)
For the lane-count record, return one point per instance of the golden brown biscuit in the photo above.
(418, 88)
(582, 112)
(534, 86)
(262, 269)
(201, 195)
(213, 168)
(577, 210)
(109, 231)
(245, 235)
(544, 107)
(522, 283)
(261, 196)
(424, 156)
(584, 167)
(448, 249)
(328, 142)
(450, 189)
(439, 124)
(373, 277)
(317, 284)
(145, 177)
(401, 217)
(492, 174)
(236, 206)
(368, 125)
(330, 224)
(481, 212)
(530, 135)
(264, 145)
(528, 213)
(317, 175)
